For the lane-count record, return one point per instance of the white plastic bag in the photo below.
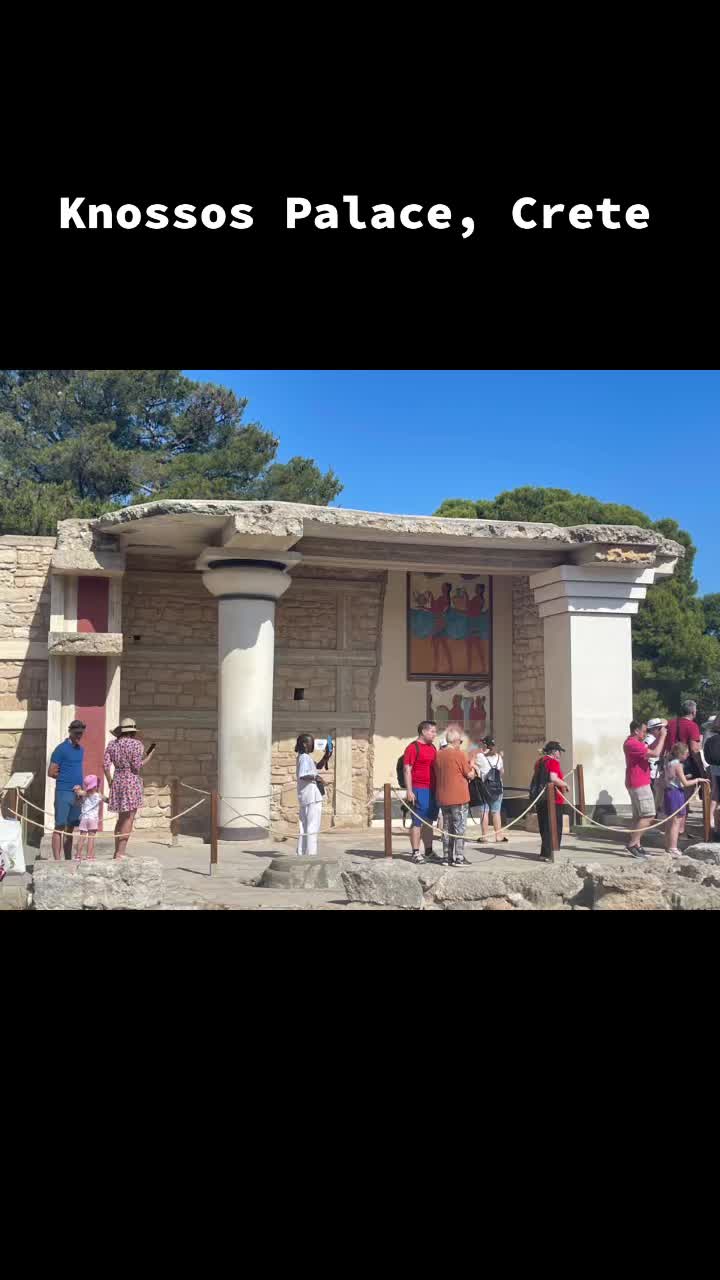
(11, 849)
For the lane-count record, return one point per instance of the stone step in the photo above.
(292, 872)
(14, 897)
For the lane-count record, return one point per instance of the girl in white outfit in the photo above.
(309, 795)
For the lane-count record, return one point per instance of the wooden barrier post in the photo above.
(387, 816)
(174, 809)
(213, 829)
(580, 775)
(706, 797)
(552, 819)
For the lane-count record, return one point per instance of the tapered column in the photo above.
(247, 590)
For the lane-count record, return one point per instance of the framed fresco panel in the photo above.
(467, 704)
(449, 626)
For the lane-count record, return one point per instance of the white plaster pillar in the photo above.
(587, 612)
(61, 678)
(247, 589)
(114, 665)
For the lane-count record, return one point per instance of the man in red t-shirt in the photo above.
(419, 773)
(550, 759)
(638, 780)
(685, 729)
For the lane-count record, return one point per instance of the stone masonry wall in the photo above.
(167, 608)
(23, 685)
(528, 665)
(174, 698)
(309, 622)
(24, 620)
(25, 588)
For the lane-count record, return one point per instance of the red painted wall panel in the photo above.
(93, 604)
(91, 679)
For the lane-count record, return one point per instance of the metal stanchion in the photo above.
(387, 816)
(706, 798)
(553, 820)
(174, 808)
(213, 829)
(580, 775)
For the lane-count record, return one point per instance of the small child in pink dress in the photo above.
(89, 817)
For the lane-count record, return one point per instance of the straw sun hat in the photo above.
(127, 725)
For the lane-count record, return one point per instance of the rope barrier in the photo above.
(263, 824)
(110, 835)
(450, 836)
(624, 830)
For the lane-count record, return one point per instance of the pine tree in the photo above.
(676, 640)
(77, 442)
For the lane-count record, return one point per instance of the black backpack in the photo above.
(400, 766)
(493, 784)
(540, 778)
(711, 750)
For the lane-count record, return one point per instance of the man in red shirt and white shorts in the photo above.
(638, 781)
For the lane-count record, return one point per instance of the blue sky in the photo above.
(402, 440)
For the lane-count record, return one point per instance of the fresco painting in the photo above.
(463, 703)
(449, 626)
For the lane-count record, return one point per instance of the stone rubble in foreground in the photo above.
(663, 883)
(690, 883)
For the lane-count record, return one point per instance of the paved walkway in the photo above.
(233, 885)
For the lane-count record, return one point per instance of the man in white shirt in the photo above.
(654, 726)
(310, 795)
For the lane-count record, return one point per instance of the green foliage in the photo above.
(76, 442)
(544, 506)
(676, 635)
(458, 509)
(711, 613)
(648, 702)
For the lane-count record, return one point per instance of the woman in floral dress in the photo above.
(126, 757)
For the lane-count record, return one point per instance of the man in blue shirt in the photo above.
(66, 767)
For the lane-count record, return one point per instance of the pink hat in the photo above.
(90, 782)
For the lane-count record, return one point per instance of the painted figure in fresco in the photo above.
(457, 715)
(441, 609)
(478, 627)
(457, 617)
(467, 702)
(422, 620)
(441, 715)
(478, 715)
